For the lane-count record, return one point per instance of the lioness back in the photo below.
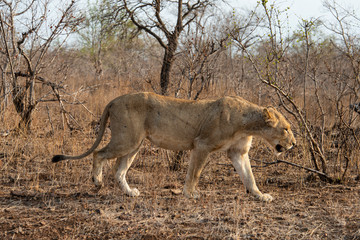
(168, 122)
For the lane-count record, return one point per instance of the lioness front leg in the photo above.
(242, 165)
(197, 163)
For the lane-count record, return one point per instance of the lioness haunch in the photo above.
(204, 126)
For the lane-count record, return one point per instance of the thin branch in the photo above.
(7, 48)
(277, 161)
(161, 24)
(142, 27)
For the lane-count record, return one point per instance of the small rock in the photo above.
(176, 191)
(99, 211)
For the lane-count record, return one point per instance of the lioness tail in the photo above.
(58, 158)
(103, 121)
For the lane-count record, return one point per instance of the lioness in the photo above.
(204, 126)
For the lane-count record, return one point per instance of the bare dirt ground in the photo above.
(41, 200)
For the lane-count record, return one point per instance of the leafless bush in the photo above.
(311, 75)
(28, 34)
(305, 74)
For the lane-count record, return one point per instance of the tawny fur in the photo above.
(204, 126)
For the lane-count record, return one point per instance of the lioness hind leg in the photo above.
(98, 164)
(112, 150)
(121, 167)
(197, 163)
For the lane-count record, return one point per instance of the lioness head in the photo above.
(277, 131)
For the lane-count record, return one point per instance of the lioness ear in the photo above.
(269, 117)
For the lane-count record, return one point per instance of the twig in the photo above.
(51, 124)
(325, 176)
(277, 161)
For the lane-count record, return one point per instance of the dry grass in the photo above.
(41, 200)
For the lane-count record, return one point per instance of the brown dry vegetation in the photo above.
(311, 77)
(41, 200)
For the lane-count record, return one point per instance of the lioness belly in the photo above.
(170, 143)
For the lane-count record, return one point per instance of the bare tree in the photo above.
(104, 27)
(28, 34)
(347, 80)
(152, 17)
(198, 56)
(271, 63)
(313, 78)
(346, 40)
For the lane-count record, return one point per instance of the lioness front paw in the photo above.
(98, 183)
(134, 192)
(194, 194)
(265, 197)
(97, 189)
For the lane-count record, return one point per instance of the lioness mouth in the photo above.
(279, 148)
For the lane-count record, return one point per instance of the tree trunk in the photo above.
(167, 65)
(4, 88)
(25, 121)
(24, 105)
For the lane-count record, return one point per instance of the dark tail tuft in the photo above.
(58, 158)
